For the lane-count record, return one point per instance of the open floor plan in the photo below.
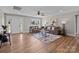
(39, 29)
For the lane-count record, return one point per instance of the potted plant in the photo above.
(4, 28)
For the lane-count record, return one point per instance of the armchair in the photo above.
(4, 38)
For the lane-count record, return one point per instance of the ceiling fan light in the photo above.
(38, 12)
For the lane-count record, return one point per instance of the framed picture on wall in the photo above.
(35, 22)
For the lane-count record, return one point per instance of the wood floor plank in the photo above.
(27, 43)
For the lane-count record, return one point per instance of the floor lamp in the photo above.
(63, 25)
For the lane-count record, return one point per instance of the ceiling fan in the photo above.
(39, 13)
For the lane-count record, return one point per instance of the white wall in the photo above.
(70, 25)
(70, 22)
(1, 19)
(25, 21)
(46, 21)
(68, 17)
(16, 23)
(22, 26)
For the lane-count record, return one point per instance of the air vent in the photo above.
(17, 8)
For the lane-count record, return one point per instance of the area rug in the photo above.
(48, 38)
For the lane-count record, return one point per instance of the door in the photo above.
(16, 23)
(26, 24)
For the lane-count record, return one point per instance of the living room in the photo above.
(39, 28)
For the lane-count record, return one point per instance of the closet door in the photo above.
(26, 24)
(15, 23)
(9, 19)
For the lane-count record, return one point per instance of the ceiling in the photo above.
(47, 10)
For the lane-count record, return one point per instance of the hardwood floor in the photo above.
(26, 43)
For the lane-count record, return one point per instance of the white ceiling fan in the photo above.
(39, 13)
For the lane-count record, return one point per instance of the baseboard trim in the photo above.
(71, 34)
(19, 33)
